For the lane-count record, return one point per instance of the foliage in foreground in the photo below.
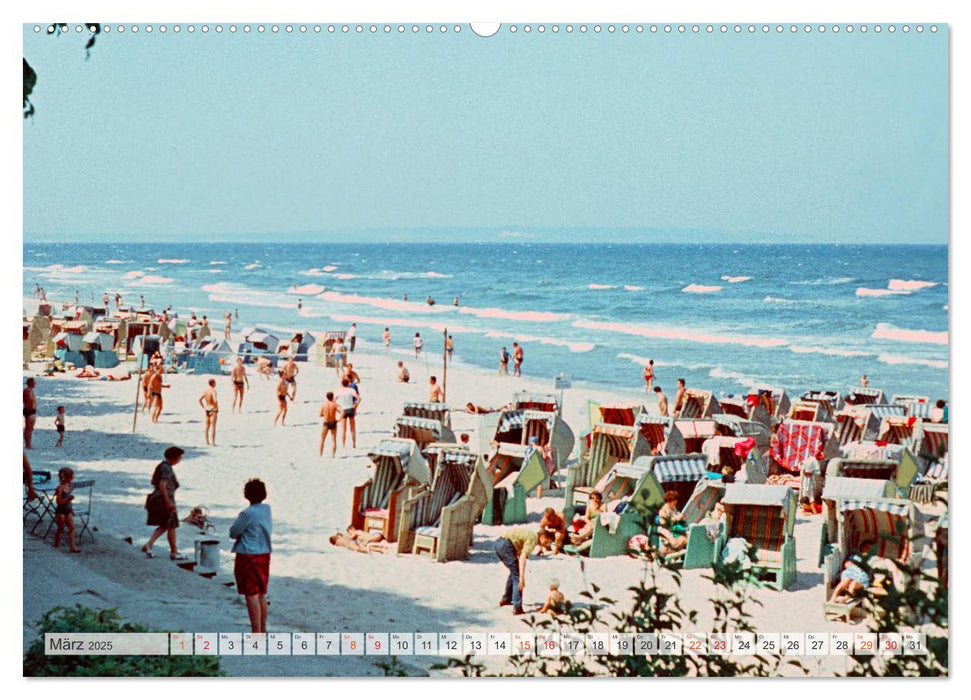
(82, 619)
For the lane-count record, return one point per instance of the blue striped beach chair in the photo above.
(609, 444)
(397, 467)
(423, 431)
(432, 411)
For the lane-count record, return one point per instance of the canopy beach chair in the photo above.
(833, 400)
(844, 488)
(437, 520)
(423, 431)
(661, 433)
(434, 411)
(773, 398)
(763, 516)
(609, 444)
(324, 347)
(67, 346)
(796, 441)
(934, 479)
(733, 426)
(899, 430)
(397, 467)
(518, 426)
(614, 413)
(906, 399)
(695, 432)
(931, 442)
(874, 451)
(536, 402)
(901, 471)
(747, 408)
(861, 395)
(896, 528)
(699, 552)
(855, 423)
(699, 403)
(812, 411)
(512, 472)
(298, 346)
(723, 451)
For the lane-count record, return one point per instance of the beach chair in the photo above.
(723, 451)
(856, 423)
(512, 472)
(745, 408)
(518, 426)
(734, 426)
(843, 488)
(906, 399)
(618, 413)
(432, 411)
(773, 399)
(796, 441)
(931, 442)
(609, 444)
(437, 520)
(324, 347)
(423, 431)
(661, 433)
(832, 400)
(695, 432)
(900, 430)
(83, 490)
(897, 528)
(536, 402)
(397, 468)
(926, 485)
(810, 411)
(763, 516)
(699, 403)
(861, 395)
(901, 471)
(699, 552)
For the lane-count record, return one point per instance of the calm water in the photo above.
(722, 316)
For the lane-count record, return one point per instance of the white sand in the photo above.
(314, 586)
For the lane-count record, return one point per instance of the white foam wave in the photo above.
(344, 276)
(573, 346)
(909, 285)
(218, 262)
(248, 300)
(134, 274)
(777, 300)
(701, 289)
(866, 292)
(313, 272)
(534, 316)
(252, 266)
(735, 280)
(633, 288)
(737, 377)
(56, 268)
(890, 359)
(887, 331)
(172, 261)
(329, 268)
(825, 280)
(151, 280)
(601, 286)
(215, 271)
(836, 352)
(114, 262)
(688, 334)
(382, 303)
(306, 289)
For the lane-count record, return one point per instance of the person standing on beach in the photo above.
(30, 413)
(503, 361)
(290, 372)
(387, 340)
(252, 530)
(329, 413)
(160, 504)
(59, 426)
(864, 381)
(146, 393)
(228, 328)
(141, 301)
(418, 345)
(340, 356)
(662, 401)
(155, 387)
(648, 376)
(348, 400)
(104, 299)
(210, 404)
(679, 397)
(435, 394)
(352, 336)
(517, 358)
(449, 348)
(513, 549)
(281, 397)
(64, 509)
(240, 382)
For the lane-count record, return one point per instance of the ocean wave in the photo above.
(383, 303)
(633, 288)
(400, 323)
(57, 268)
(887, 331)
(134, 274)
(777, 300)
(836, 352)
(825, 281)
(344, 276)
(313, 272)
(229, 298)
(329, 268)
(172, 261)
(701, 289)
(252, 266)
(601, 286)
(890, 359)
(688, 334)
(218, 262)
(909, 285)
(642, 361)
(573, 346)
(214, 271)
(151, 280)
(739, 378)
(866, 292)
(306, 289)
(735, 280)
(534, 316)
(114, 262)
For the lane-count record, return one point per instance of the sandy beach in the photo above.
(314, 586)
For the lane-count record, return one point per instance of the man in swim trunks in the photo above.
(281, 397)
(210, 405)
(504, 361)
(679, 398)
(155, 387)
(450, 347)
(227, 329)
(290, 372)
(146, 394)
(662, 401)
(30, 413)
(348, 401)
(435, 394)
(240, 382)
(517, 358)
(329, 413)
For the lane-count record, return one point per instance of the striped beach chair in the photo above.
(536, 402)
(899, 430)
(842, 488)
(723, 451)
(831, 399)
(661, 433)
(432, 411)
(632, 496)
(699, 403)
(926, 485)
(512, 472)
(764, 517)
(855, 423)
(699, 552)
(619, 413)
(901, 471)
(773, 398)
(609, 444)
(798, 440)
(423, 431)
(861, 395)
(397, 467)
(695, 432)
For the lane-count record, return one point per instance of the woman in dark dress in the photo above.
(160, 504)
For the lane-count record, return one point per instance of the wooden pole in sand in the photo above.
(138, 384)
(444, 364)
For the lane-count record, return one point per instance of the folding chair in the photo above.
(83, 492)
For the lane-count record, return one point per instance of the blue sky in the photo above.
(790, 137)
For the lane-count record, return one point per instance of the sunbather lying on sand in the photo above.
(355, 540)
(88, 372)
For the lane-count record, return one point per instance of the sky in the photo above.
(738, 137)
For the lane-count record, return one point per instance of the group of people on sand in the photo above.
(516, 356)
(663, 406)
(153, 381)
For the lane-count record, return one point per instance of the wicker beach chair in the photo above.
(432, 411)
(699, 403)
(512, 472)
(397, 468)
(423, 431)
(609, 444)
(844, 488)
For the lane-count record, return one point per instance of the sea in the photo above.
(722, 316)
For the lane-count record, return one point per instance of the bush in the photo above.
(82, 619)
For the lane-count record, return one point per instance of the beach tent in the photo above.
(762, 516)
(536, 402)
(512, 472)
(434, 411)
(842, 488)
(798, 440)
(261, 341)
(423, 431)
(896, 528)
(324, 347)
(211, 356)
(662, 435)
(901, 471)
(745, 408)
(733, 426)
(699, 404)
(438, 519)
(773, 398)
(725, 451)
(813, 411)
(695, 432)
(609, 444)
(856, 423)
(397, 468)
(858, 395)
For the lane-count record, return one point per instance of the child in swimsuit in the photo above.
(59, 426)
(64, 509)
